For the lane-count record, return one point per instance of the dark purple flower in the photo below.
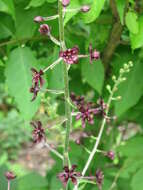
(69, 174)
(37, 77)
(38, 132)
(35, 91)
(77, 100)
(44, 29)
(38, 19)
(110, 154)
(37, 82)
(99, 178)
(85, 8)
(65, 3)
(94, 54)
(87, 110)
(10, 175)
(70, 56)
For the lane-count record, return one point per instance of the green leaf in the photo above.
(132, 148)
(7, 6)
(131, 22)
(137, 180)
(96, 8)
(25, 27)
(137, 39)
(131, 90)
(94, 74)
(6, 26)
(18, 76)
(32, 181)
(120, 7)
(35, 3)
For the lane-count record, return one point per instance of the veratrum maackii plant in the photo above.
(84, 111)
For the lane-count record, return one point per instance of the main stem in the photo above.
(66, 83)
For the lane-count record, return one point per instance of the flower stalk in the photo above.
(123, 70)
(66, 83)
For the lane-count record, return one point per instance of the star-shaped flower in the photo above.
(69, 174)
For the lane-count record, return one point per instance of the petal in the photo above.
(34, 70)
(74, 180)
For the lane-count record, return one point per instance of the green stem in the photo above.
(66, 83)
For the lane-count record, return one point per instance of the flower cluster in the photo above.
(37, 82)
(69, 174)
(70, 56)
(87, 110)
(38, 132)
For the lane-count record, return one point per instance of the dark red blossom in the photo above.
(10, 175)
(38, 132)
(34, 89)
(65, 3)
(94, 54)
(38, 19)
(85, 8)
(69, 174)
(99, 178)
(44, 29)
(37, 82)
(70, 56)
(87, 110)
(37, 77)
(77, 100)
(110, 154)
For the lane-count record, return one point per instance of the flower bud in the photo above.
(108, 87)
(126, 66)
(38, 19)
(130, 63)
(114, 78)
(110, 154)
(85, 8)
(65, 3)
(10, 175)
(44, 29)
(121, 70)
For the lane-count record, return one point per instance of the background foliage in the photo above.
(115, 28)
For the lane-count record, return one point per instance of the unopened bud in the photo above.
(38, 19)
(65, 3)
(119, 97)
(130, 63)
(126, 66)
(114, 78)
(85, 8)
(124, 79)
(121, 70)
(108, 87)
(44, 29)
(128, 70)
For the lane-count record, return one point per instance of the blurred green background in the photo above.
(115, 28)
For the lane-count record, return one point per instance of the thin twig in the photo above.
(53, 151)
(52, 65)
